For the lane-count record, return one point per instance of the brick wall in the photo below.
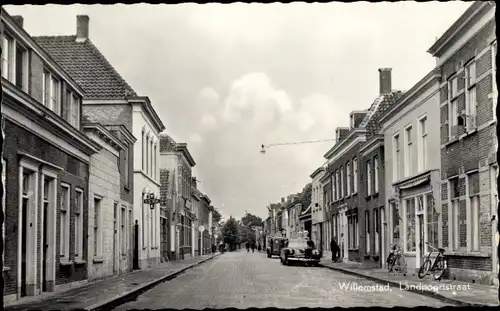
(109, 114)
(75, 173)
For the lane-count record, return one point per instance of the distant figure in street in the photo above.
(247, 244)
(334, 247)
(259, 248)
(253, 247)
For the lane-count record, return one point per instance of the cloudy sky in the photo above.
(227, 78)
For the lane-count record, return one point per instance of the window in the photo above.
(473, 197)
(51, 92)
(7, 57)
(368, 178)
(355, 175)
(151, 157)
(155, 166)
(422, 150)
(367, 232)
(410, 225)
(455, 213)
(494, 70)
(408, 152)
(376, 225)
(143, 150)
(376, 170)
(147, 155)
(79, 224)
(337, 179)
(470, 95)
(97, 227)
(64, 222)
(395, 222)
(342, 182)
(75, 111)
(126, 166)
(396, 158)
(356, 232)
(453, 103)
(4, 188)
(22, 68)
(350, 230)
(432, 223)
(334, 192)
(130, 229)
(348, 173)
(123, 230)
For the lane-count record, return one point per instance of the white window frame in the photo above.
(473, 216)
(376, 229)
(25, 68)
(8, 57)
(396, 154)
(98, 221)
(454, 217)
(337, 181)
(64, 230)
(78, 212)
(74, 115)
(367, 232)
(143, 142)
(51, 222)
(355, 175)
(151, 155)
(452, 104)
(155, 159)
(348, 177)
(423, 143)
(356, 232)
(470, 95)
(51, 96)
(406, 225)
(342, 182)
(147, 154)
(408, 151)
(334, 190)
(368, 177)
(376, 167)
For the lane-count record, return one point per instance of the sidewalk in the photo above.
(471, 295)
(104, 294)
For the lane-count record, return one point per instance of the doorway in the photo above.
(45, 226)
(115, 238)
(24, 245)
(135, 253)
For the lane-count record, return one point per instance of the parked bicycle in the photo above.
(438, 267)
(396, 260)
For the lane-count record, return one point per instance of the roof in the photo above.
(104, 134)
(458, 25)
(168, 144)
(317, 172)
(380, 105)
(85, 63)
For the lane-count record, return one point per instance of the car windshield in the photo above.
(297, 243)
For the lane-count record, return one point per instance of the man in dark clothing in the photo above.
(334, 247)
(248, 246)
(253, 247)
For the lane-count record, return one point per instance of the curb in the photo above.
(423, 292)
(133, 293)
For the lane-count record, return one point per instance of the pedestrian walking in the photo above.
(253, 247)
(259, 248)
(247, 244)
(334, 247)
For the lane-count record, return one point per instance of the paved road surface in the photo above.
(244, 280)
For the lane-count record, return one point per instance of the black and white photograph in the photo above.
(249, 155)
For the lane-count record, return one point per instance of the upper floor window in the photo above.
(355, 175)
(422, 150)
(368, 178)
(395, 158)
(72, 114)
(143, 141)
(51, 93)
(376, 168)
(342, 182)
(15, 62)
(470, 95)
(408, 152)
(453, 104)
(348, 173)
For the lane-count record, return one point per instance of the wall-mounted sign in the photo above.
(188, 204)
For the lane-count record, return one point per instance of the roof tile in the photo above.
(85, 63)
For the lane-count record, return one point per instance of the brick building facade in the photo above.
(466, 59)
(45, 163)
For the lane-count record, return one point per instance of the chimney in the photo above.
(19, 20)
(82, 28)
(385, 80)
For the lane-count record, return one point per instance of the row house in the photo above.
(293, 209)
(306, 221)
(317, 209)
(110, 101)
(58, 175)
(326, 189)
(466, 60)
(176, 164)
(203, 225)
(371, 176)
(412, 181)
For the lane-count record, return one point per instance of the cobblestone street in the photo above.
(244, 280)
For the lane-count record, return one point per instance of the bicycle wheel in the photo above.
(424, 269)
(390, 262)
(439, 268)
(400, 263)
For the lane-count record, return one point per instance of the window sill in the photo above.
(79, 261)
(65, 263)
(451, 141)
(98, 260)
(469, 133)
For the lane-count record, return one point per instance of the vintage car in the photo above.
(300, 249)
(275, 244)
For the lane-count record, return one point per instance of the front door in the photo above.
(45, 226)
(24, 246)
(135, 253)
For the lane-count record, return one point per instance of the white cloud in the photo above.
(195, 138)
(208, 120)
(208, 97)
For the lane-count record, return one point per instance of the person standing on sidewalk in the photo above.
(334, 247)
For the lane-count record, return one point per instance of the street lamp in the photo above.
(264, 147)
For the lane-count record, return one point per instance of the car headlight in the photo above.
(315, 252)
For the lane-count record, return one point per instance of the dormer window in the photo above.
(51, 92)
(352, 121)
(72, 109)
